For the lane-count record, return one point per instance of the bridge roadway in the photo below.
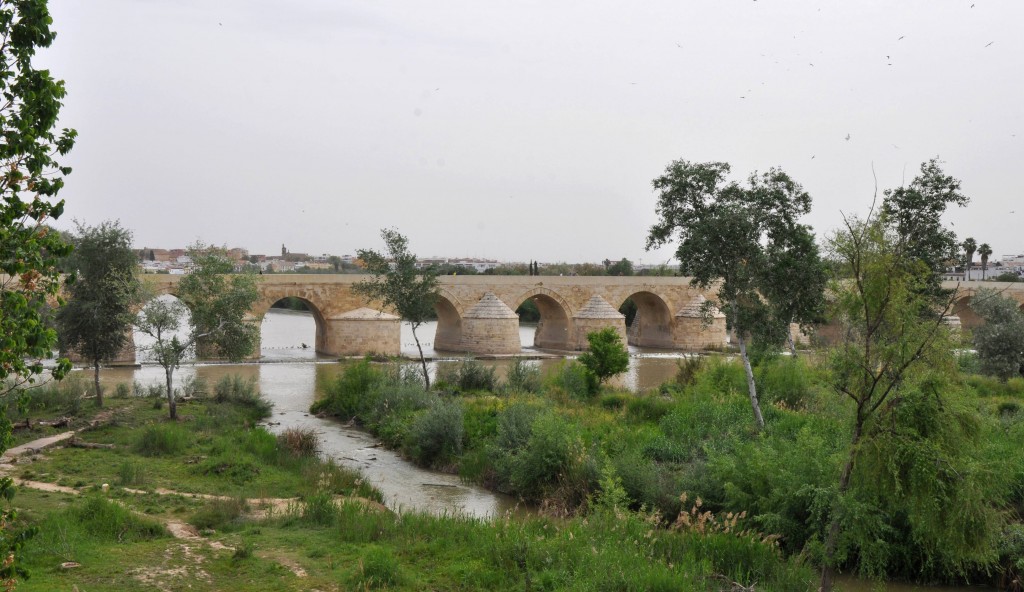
(476, 312)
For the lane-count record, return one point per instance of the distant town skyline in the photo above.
(522, 131)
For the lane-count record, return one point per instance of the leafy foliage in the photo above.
(915, 212)
(397, 283)
(607, 355)
(30, 178)
(97, 320)
(892, 366)
(217, 302)
(746, 241)
(1000, 341)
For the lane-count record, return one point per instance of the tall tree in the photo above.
(970, 246)
(96, 322)
(795, 281)
(915, 214)
(621, 267)
(1000, 341)
(397, 283)
(727, 233)
(907, 443)
(984, 250)
(218, 302)
(30, 178)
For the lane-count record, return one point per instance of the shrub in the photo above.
(378, 568)
(348, 396)
(614, 401)
(163, 439)
(607, 356)
(515, 424)
(435, 436)
(122, 391)
(319, 509)
(522, 377)
(109, 521)
(218, 514)
(231, 466)
(1000, 341)
(195, 386)
(131, 473)
(648, 408)
(474, 376)
(300, 441)
(242, 392)
(546, 459)
(784, 380)
(261, 444)
(574, 379)
(689, 368)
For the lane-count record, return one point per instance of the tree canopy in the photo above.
(97, 320)
(1000, 341)
(30, 178)
(398, 284)
(607, 356)
(741, 238)
(218, 302)
(915, 214)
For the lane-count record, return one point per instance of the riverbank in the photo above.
(180, 510)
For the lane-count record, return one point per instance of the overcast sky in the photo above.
(522, 130)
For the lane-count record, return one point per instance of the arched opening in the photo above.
(293, 328)
(143, 342)
(548, 319)
(448, 336)
(968, 318)
(648, 321)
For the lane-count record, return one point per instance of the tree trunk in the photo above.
(423, 361)
(96, 381)
(751, 387)
(172, 405)
(792, 343)
(827, 569)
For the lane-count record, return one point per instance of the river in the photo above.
(292, 376)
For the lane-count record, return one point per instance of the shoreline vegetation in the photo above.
(668, 489)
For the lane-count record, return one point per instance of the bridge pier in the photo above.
(360, 332)
(691, 334)
(490, 327)
(595, 315)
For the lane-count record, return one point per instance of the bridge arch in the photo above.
(652, 324)
(968, 318)
(448, 336)
(259, 316)
(554, 327)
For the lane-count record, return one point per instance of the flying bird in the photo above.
(901, 37)
(847, 137)
(812, 158)
(989, 43)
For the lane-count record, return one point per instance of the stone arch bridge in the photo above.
(476, 313)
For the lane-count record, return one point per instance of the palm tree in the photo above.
(984, 250)
(970, 247)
